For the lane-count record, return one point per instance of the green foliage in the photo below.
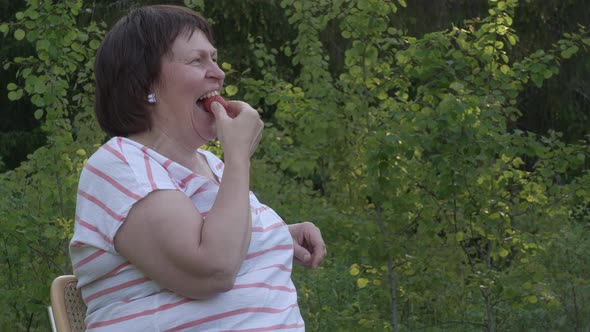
(412, 151)
(39, 196)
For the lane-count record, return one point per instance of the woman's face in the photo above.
(188, 72)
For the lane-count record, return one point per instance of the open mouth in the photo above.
(205, 96)
(209, 95)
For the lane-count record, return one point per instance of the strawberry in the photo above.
(207, 103)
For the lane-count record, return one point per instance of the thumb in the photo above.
(301, 253)
(218, 111)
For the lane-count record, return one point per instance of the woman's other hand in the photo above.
(309, 247)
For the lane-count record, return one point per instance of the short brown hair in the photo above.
(129, 61)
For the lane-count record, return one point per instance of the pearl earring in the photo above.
(151, 98)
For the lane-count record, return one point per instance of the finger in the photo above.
(318, 246)
(237, 106)
(218, 111)
(319, 252)
(301, 254)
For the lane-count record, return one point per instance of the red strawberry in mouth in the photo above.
(208, 101)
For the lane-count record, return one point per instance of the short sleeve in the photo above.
(116, 177)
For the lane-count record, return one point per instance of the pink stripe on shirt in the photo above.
(260, 209)
(228, 314)
(148, 168)
(94, 229)
(187, 179)
(101, 205)
(273, 226)
(267, 286)
(114, 271)
(270, 328)
(262, 252)
(112, 182)
(276, 266)
(96, 254)
(120, 143)
(167, 163)
(115, 153)
(116, 288)
(139, 314)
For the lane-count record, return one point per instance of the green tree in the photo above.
(39, 195)
(413, 143)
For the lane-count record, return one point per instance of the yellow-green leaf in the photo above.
(226, 66)
(19, 34)
(354, 270)
(33, 14)
(503, 252)
(362, 282)
(94, 44)
(512, 40)
(231, 90)
(38, 114)
(456, 86)
(15, 95)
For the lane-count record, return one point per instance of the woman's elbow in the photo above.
(209, 287)
(223, 282)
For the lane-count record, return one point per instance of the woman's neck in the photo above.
(173, 149)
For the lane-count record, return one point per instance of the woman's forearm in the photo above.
(226, 232)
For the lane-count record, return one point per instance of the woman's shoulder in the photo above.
(116, 150)
(119, 160)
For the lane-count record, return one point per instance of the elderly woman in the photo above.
(167, 236)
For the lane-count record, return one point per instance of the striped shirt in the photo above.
(121, 298)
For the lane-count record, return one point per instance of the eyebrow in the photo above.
(213, 52)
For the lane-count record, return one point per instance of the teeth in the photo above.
(209, 95)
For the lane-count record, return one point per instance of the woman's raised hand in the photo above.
(240, 134)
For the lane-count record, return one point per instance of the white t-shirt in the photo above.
(121, 298)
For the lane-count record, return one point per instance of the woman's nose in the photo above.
(216, 72)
